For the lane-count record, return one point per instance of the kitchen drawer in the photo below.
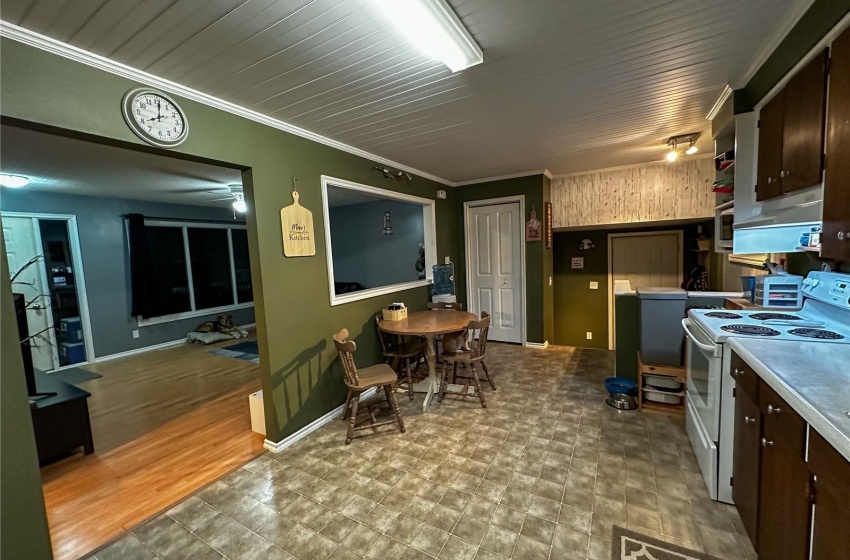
(781, 424)
(745, 378)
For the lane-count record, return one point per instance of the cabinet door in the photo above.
(830, 535)
(835, 240)
(771, 121)
(803, 128)
(746, 463)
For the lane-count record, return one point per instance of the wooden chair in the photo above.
(477, 332)
(445, 306)
(395, 348)
(377, 376)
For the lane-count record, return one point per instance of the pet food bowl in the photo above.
(620, 385)
(621, 401)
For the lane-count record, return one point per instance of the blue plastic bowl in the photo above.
(620, 385)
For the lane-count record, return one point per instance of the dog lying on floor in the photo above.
(220, 329)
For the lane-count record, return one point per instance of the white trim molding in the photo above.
(467, 206)
(724, 95)
(77, 54)
(278, 446)
(541, 345)
(544, 172)
(429, 223)
(161, 346)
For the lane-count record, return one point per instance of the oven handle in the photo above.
(704, 347)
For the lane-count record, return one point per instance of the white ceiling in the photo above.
(72, 166)
(565, 85)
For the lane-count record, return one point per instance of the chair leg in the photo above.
(454, 373)
(353, 419)
(409, 381)
(487, 375)
(388, 390)
(477, 385)
(443, 379)
(345, 408)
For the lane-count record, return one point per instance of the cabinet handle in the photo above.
(737, 372)
(769, 180)
(766, 442)
(784, 174)
(771, 409)
(748, 420)
(842, 235)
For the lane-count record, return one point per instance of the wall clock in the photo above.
(155, 118)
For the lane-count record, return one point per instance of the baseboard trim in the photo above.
(278, 446)
(542, 345)
(161, 346)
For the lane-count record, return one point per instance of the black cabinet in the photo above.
(835, 239)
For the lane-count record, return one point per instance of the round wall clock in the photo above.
(155, 118)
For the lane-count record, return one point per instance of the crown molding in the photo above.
(659, 162)
(545, 172)
(77, 54)
(724, 95)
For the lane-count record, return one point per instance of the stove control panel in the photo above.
(830, 287)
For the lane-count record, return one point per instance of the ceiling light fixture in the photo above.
(14, 181)
(239, 203)
(675, 141)
(434, 28)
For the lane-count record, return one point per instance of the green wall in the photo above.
(300, 374)
(578, 309)
(818, 20)
(534, 188)
(23, 522)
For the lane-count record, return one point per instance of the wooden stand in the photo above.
(679, 373)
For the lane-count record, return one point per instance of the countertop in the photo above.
(622, 292)
(814, 378)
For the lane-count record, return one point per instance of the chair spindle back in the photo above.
(445, 306)
(346, 349)
(478, 335)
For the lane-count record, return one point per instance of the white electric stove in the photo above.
(823, 319)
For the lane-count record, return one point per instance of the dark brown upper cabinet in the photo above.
(835, 239)
(791, 133)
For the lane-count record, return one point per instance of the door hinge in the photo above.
(734, 392)
(813, 492)
(731, 481)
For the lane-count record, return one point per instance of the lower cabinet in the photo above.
(747, 461)
(831, 527)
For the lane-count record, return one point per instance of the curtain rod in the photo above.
(193, 220)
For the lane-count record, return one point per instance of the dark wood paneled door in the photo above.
(783, 526)
(771, 123)
(747, 462)
(835, 240)
(803, 128)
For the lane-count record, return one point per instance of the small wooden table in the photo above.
(429, 324)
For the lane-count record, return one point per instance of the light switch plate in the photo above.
(136, 334)
(448, 260)
(594, 285)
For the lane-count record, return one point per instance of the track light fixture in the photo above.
(396, 174)
(683, 139)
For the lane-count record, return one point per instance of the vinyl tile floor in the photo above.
(543, 472)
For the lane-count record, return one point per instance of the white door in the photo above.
(494, 261)
(22, 244)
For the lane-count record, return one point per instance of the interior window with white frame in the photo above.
(378, 241)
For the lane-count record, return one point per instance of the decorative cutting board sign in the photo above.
(297, 226)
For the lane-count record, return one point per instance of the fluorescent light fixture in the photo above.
(14, 181)
(434, 28)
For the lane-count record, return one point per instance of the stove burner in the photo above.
(774, 316)
(722, 315)
(816, 333)
(752, 330)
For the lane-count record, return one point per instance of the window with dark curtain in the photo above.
(242, 266)
(211, 280)
(169, 281)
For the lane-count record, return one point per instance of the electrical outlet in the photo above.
(448, 260)
(589, 335)
(594, 285)
(136, 334)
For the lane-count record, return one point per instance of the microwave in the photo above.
(724, 222)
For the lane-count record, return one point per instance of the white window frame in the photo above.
(145, 322)
(429, 223)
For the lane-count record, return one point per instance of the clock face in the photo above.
(155, 118)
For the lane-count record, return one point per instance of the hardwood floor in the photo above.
(165, 424)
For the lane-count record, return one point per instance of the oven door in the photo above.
(704, 360)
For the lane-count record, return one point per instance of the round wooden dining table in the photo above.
(429, 324)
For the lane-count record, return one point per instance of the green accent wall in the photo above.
(818, 20)
(534, 188)
(23, 521)
(300, 374)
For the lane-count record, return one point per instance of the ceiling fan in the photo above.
(236, 195)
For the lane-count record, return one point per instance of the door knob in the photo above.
(842, 235)
(748, 420)
(766, 442)
(771, 409)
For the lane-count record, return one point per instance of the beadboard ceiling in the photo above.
(565, 85)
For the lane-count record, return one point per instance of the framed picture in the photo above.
(547, 219)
